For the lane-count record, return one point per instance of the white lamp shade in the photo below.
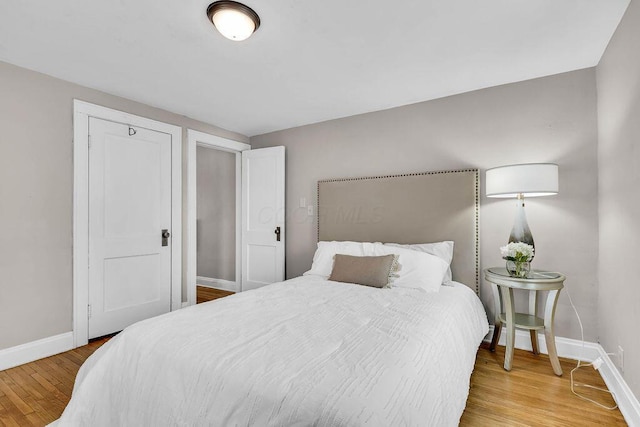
(530, 180)
(233, 24)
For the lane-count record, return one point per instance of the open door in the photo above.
(263, 214)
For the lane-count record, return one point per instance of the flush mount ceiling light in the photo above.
(233, 20)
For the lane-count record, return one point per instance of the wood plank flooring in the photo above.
(532, 395)
(35, 394)
(204, 294)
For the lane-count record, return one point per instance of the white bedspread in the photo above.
(301, 352)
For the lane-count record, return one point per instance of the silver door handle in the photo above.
(165, 237)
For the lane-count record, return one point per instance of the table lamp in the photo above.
(531, 180)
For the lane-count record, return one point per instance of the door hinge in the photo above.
(89, 310)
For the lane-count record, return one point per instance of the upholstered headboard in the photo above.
(412, 208)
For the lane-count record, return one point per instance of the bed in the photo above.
(307, 351)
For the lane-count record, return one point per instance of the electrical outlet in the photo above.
(621, 358)
(597, 363)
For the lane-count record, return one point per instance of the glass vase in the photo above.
(519, 269)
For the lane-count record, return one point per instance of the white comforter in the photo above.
(301, 352)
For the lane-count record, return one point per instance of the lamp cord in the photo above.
(579, 365)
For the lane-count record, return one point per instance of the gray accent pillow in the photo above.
(374, 271)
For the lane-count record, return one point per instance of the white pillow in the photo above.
(323, 258)
(417, 269)
(442, 250)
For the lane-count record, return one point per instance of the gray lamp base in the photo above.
(520, 231)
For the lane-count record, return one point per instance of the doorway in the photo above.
(214, 189)
(259, 207)
(216, 218)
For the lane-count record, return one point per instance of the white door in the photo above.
(263, 216)
(129, 207)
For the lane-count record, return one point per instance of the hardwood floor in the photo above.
(204, 294)
(35, 394)
(532, 395)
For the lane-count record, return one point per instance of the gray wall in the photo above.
(216, 216)
(551, 119)
(36, 188)
(618, 83)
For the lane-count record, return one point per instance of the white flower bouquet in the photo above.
(517, 252)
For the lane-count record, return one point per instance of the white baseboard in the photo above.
(225, 285)
(574, 349)
(626, 400)
(566, 347)
(34, 350)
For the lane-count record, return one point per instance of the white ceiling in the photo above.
(310, 60)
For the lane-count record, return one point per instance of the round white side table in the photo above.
(503, 286)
